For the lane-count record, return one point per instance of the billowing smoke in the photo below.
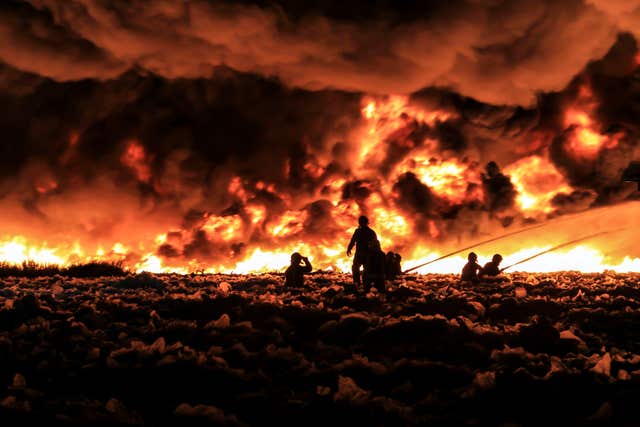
(502, 52)
(200, 132)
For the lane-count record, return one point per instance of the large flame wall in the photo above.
(180, 169)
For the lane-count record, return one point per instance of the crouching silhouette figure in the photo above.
(374, 267)
(491, 271)
(294, 276)
(471, 268)
(392, 265)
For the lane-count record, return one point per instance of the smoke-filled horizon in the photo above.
(196, 134)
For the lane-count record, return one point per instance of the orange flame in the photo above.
(135, 158)
(585, 140)
(257, 237)
(537, 182)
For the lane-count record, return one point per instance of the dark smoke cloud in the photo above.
(503, 52)
(64, 175)
(31, 41)
(209, 92)
(501, 193)
(414, 195)
(577, 201)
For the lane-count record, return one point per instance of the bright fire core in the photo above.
(257, 238)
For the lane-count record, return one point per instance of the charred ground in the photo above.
(242, 350)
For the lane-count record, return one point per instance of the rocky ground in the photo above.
(242, 350)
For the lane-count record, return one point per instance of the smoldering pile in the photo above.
(243, 350)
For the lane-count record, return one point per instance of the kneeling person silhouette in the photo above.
(470, 270)
(491, 271)
(393, 268)
(294, 276)
(374, 267)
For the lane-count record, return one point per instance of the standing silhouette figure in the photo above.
(362, 239)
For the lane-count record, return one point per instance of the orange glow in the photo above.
(369, 110)
(135, 158)
(45, 185)
(314, 170)
(223, 228)
(584, 258)
(537, 182)
(73, 139)
(386, 116)
(237, 188)
(17, 250)
(288, 224)
(433, 229)
(392, 226)
(328, 256)
(267, 224)
(257, 213)
(576, 117)
(449, 179)
(585, 140)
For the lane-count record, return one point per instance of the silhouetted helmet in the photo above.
(363, 220)
(472, 256)
(296, 258)
(497, 258)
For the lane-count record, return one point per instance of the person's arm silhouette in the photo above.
(352, 242)
(306, 268)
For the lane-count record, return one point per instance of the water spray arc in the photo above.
(563, 245)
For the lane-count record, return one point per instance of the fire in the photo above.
(383, 113)
(267, 223)
(369, 111)
(584, 258)
(386, 117)
(537, 182)
(260, 260)
(588, 143)
(449, 179)
(393, 120)
(288, 224)
(585, 140)
(257, 213)
(135, 157)
(578, 118)
(393, 226)
(17, 250)
(223, 228)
